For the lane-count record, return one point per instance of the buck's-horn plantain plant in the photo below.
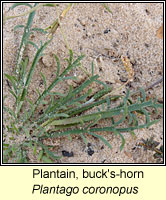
(64, 114)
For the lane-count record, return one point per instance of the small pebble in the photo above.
(47, 60)
(90, 151)
(106, 31)
(67, 154)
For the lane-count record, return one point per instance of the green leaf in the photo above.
(24, 64)
(102, 83)
(102, 93)
(71, 56)
(102, 139)
(5, 145)
(81, 98)
(39, 30)
(143, 94)
(69, 138)
(123, 142)
(40, 155)
(135, 121)
(34, 149)
(18, 26)
(108, 102)
(35, 61)
(133, 134)
(51, 155)
(44, 80)
(44, 102)
(130, 118)
(38, 92)
(102, 107)
(18, 108)
(70, 78)
(52, 85)
(98, 117)
(24, 93)
(30, 102)
(33, 44)
(72, 65)
(107, 8)
(45, 159)
(50, 4)
(15, 128)
(10, 111)
(85, 84)
(26, 132)
(48, 152)
(20, 4)
(98, 109)
(152, 122)
(146, 115)
(13, 81)
(24, 40)
(13, 94)
(56, 93)
(58, 66)
(122, 138)
(53, 117)
(92, 68)
(84, 139)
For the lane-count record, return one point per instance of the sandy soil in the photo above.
(103, 37)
